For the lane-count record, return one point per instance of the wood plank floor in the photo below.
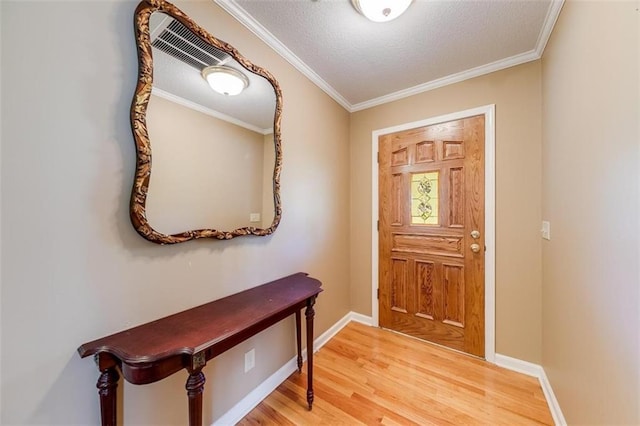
(366, 375)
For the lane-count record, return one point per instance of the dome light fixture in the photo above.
(225, 80)
(381, 10)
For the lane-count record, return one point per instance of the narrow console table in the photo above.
(156, 350)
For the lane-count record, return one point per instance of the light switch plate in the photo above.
(546, 230)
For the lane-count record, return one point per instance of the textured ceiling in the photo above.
(361, 63)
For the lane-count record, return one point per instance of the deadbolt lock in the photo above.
(475, 234)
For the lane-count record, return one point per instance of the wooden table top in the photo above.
(202, 327)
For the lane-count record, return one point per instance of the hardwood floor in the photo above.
(365, 375)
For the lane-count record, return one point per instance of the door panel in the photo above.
(456, 197)
(427, 244)
(399, 297)
(453, 289)
(431, 199)
(425, 297)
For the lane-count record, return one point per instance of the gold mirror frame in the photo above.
(141, 135)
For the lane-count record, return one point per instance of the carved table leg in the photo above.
(309, 314)
(107, 389)
(195, 387)
(299, 341)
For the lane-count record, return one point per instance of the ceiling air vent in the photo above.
(178, 41)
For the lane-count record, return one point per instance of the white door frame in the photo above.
(489, 222)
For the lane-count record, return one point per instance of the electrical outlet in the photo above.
(249, 360)
(254, 217)
(546, 230)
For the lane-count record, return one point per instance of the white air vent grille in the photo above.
(178, 41)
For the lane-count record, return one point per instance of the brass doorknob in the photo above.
(475, 248)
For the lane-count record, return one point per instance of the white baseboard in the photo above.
(556, 412)
(256, 396)
(362, 319)
(537, 371)
(514, 364)
(321, 340)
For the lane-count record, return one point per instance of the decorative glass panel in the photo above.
(424, 198)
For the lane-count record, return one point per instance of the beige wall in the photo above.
(516, 94)
(207, 172)
(74, 269)
(591, 282)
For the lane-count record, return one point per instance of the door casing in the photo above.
(490, 213)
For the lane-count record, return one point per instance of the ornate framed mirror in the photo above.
(217, 154)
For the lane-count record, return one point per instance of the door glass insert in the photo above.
(424, 198)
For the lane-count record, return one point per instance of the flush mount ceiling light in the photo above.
(381, 10)
(225, 80)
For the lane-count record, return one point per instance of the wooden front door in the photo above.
(431, 233)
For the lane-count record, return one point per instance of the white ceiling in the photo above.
(361, 63)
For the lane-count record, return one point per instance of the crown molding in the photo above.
(450, 79)
(231, 7)
(547, 27)
(550, 20)
(208, 111)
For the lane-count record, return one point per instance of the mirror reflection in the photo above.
(213, 148)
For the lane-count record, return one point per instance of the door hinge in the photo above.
(378, 294)
(378, 225)
(378, 157)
